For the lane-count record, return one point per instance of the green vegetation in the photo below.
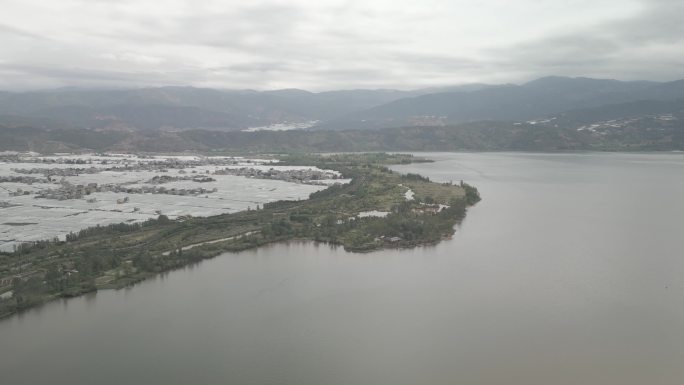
(118, 255)
(563, 134)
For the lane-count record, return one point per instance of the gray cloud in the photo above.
(334, 43)
(8, 31)
(647, 45)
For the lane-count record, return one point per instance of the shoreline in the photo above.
(121, 255)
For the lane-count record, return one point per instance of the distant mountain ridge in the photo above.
(551, 113)
(190, 107)
(535, 99)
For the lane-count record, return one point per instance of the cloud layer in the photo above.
(334, 44)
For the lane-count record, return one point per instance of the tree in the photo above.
(53, 277)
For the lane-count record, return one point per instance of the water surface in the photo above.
(570, 271)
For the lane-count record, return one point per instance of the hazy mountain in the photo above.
(188, 107)
(146, 117)
(539, 98)
(571, 101)
(459, 88)
(630, 110)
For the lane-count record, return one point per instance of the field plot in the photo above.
(45, 197)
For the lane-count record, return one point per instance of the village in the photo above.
(71, 191)
(306, 176)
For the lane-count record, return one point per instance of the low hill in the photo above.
(649, 133)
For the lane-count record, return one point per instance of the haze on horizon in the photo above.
(334, 44)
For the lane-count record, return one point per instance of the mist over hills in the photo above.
(188, 107)
(537, 99)
(547, 114)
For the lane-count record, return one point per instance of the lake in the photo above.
(569, 271)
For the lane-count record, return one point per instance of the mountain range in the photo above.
(582, 112)
(185, 107)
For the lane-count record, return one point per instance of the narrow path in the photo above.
(188, 247)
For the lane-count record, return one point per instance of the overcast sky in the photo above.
(334, 44)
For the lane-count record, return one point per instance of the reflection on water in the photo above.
(568, 272)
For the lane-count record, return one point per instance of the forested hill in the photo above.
(647, 133)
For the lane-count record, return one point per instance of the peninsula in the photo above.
(377, 209)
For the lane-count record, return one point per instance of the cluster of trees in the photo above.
(25, 248)
(117, 228)
(416, 177)
(110, 230)
(37, 288)
(472, 195)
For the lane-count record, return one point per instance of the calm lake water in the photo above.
(570, 271)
